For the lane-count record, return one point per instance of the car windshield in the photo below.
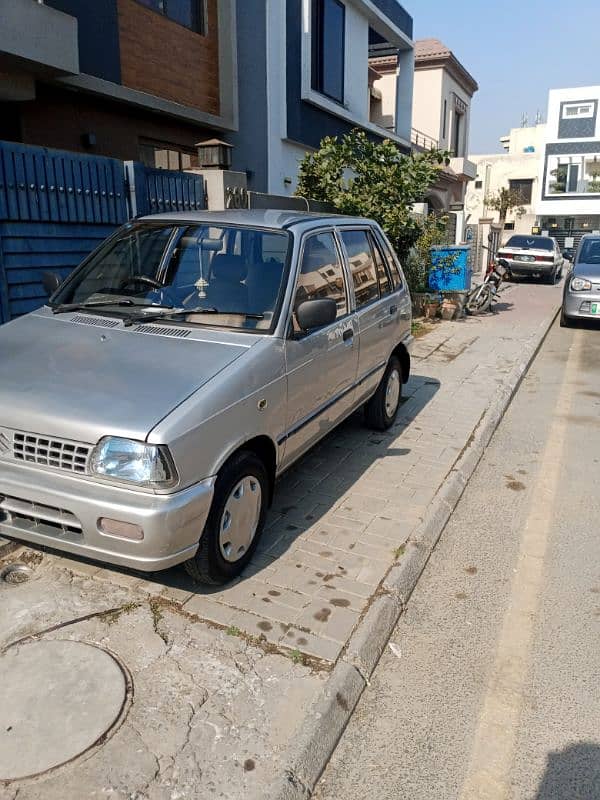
(590, 252)
(530, 243)
(211, 274)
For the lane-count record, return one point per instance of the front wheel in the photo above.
(479, 300)
(381, 410)
(235, 521)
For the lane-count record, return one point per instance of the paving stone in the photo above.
(317, 646)
(327, 620)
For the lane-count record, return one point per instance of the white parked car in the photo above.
(533, 257)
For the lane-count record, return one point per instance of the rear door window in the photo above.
(362, 266)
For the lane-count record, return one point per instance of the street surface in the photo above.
(488, 689)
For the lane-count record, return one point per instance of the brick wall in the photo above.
(167, 60)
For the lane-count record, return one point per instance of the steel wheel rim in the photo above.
(392, 393)
(240, 517)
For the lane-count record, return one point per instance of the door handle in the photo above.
(393, 310)
(348, 334)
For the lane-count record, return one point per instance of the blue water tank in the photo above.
(450, 270)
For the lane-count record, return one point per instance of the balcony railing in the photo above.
(422, 140)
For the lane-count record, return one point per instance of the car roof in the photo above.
(268, 218)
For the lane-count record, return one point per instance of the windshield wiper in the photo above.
(178, 312)
(64, 307)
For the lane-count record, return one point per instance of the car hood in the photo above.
(84, 381)
(583, 270)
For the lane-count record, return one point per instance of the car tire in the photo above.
(242, 490)
(382, 408)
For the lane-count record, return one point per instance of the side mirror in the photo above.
(316, 313)
(566, 254)
(51, 281)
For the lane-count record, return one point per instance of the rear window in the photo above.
(590, 252)
(530, 243)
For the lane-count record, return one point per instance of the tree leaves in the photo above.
(374, 179)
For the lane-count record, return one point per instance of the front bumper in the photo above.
(62, 512)
(573, 302)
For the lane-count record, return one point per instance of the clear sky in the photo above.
(516, 50)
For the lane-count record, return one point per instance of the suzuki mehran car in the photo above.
(147, 409)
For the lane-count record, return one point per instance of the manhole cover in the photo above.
(16, 573)
(58, 699)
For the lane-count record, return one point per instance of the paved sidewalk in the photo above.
(222, 679)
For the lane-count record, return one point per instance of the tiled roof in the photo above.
(431, 48)
(431, 53)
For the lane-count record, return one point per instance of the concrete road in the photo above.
(489, 687)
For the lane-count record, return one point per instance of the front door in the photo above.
(321, 365)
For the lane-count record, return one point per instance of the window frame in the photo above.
(578, 104)
(201, 30)
(367, 229)
(297, 335)
(317, 50)
(522, 182)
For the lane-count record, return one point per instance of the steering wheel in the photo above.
(141, 279)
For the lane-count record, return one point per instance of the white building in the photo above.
(515, 169)
(569, 172)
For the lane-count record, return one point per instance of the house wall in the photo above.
(495, 171)
(427, 105)
(59, 117)
(576, 141)
(165, 59)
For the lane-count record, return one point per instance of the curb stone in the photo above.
(319, 733)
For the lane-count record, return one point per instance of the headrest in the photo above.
(228, 268)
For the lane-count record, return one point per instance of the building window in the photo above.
(328, 40)
(523, 188)
(509, 226)
(578, 110)
(444, 118)
(167, 156)
(478, 184)
(456, 144)
(576, 174)
(189, 13)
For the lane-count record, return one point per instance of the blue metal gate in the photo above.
(56, 207)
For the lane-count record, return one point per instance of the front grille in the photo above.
(34, 516)
(50, 452)
(4, 443)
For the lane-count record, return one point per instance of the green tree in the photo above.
(505, 200)
(372, 179)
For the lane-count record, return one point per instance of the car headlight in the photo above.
(580, 285)
(147, 465)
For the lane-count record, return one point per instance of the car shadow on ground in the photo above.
(572, 774)
(310, 489)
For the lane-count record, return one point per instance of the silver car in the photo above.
(147, 410)
(581, 297)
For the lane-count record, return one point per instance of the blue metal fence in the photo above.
(56, 207)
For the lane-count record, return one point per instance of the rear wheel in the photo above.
(381, 410)
(235, 521)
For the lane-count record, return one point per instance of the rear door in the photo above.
(321, 365)
(376, 308)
